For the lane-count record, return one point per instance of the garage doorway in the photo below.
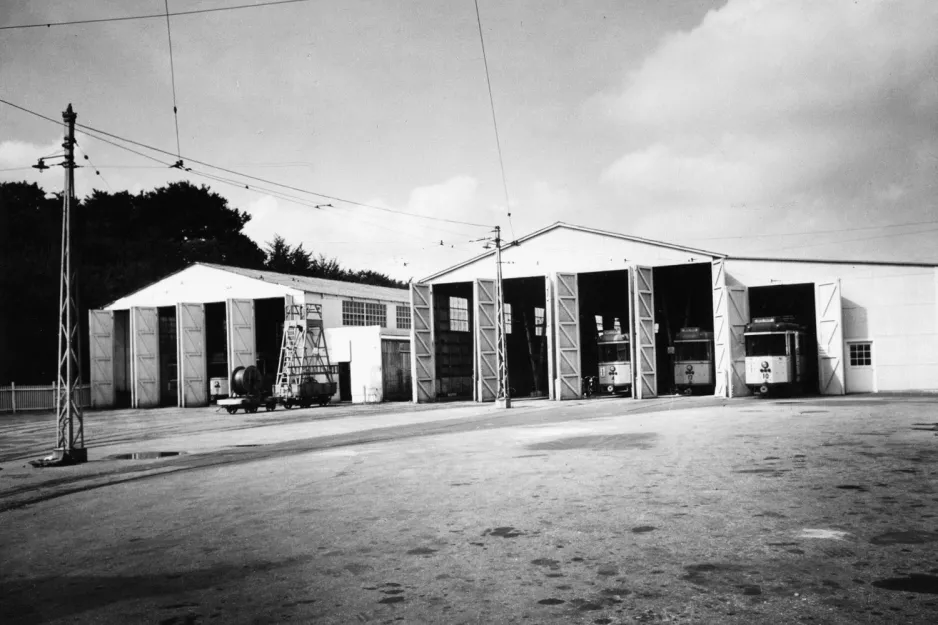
(797, 302)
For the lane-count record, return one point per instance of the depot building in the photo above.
(177, 341)
(868, 326)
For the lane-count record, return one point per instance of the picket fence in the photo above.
(15, 398)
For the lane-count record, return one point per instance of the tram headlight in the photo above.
(765, 364)
(612, 370)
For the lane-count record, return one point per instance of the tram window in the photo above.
(765, 345)
(507, 312)
(599, 323)
(614, 352)
(692, 350)
(539, 321)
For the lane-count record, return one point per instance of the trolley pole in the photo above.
(503, 394)
(70, 440)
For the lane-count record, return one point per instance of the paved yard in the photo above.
(608, 511)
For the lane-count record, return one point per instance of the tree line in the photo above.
(121, 242)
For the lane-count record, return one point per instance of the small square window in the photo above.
(599, 324)
(458, 314)
(403, 317)
(507, 318)
(539, 322)
(861, 354)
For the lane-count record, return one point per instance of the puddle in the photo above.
(146, 455)
(641, 529)
(553, 564)
(551, 601)
(421, 551)
(249, 445)
(634, 440)
(912, 537)
(915, 582)
(852, 487)
(824, 534)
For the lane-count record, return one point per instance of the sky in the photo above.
(770, 128)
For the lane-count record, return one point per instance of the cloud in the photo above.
(23, 154)
(823, 106)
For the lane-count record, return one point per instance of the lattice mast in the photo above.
(502, 394)
(304, 355)
(70, 439)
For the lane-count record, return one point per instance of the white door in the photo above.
(423, 362)
(241, 344)
(643, 324)
(485, 341)
(193, 385)
(566, 316)
(730, 316)
(830, 337)
(144, 358)
(101, 343)
(861, 373)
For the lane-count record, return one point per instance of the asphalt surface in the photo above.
(602, 511)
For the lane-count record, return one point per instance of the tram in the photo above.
(615, 362)
(776, 355)
(693, 361)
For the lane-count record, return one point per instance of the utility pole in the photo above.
(503, 394)
(70, 440)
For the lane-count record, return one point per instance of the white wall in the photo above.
(571, 251)
(894, 306)
(199, 284)
(360, 346)
(332, 311)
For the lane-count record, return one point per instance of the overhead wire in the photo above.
(90, 129)
(807, 233)
(498, 143)
(96, 170)
(172, 74)
(153, 16)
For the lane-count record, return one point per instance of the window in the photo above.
(539, 322)
(765, 345)
(614, 352)
(403, 317)
(458, 314)
(617, 326)
(364, 314)
(692, 351)
(861, 354)
(599, 324)
(507, 318)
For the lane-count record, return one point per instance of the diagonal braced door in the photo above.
(646, 377)
(144, 358)
(485, 341)
(567, 320)
(101, 331)
(423, 361)
(193, 385)
(241, 342)
(830, 338)
(730, 316)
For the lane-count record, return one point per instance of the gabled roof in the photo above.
(561, 224)
(317, 285)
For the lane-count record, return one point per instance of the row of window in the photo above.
(372, 314)
(459, 316)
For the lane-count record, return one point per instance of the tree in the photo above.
(284, 258)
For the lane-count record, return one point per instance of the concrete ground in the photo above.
(694, 510)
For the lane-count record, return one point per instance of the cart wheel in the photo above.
(270, 407)
(231, 409)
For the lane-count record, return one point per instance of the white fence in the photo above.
(17, 398)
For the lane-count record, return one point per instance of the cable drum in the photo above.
(246, 381)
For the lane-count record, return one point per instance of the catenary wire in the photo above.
(96, 170)
(147, 17)
(498, 143)
(172, 75)
(88, 129)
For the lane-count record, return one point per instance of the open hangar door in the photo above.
(269, 315)
(453, 321)
(525, 336)
(683, 299)
(796, 301)
(603, 306)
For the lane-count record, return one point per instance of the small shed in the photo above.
(163, 344)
